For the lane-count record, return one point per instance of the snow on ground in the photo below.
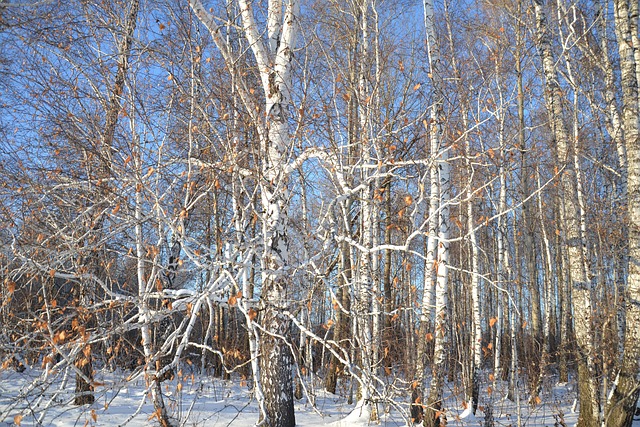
(200, 401)
(204, 401)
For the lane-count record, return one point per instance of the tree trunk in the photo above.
(476, 348)
(570, 227)
(475, 353)
(433, 410)
(388, 333)
(274, 58)
(152, 365)
(622, 400)
(342, 307)
(615, 128)
(437, 257)
(84, 376)
(527, 219)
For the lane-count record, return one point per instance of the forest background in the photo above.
(377, 195)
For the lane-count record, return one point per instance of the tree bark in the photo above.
(274, 58)
(570, 227)
(152, 365)
(433, 404)
(84, 375)
(622, 399)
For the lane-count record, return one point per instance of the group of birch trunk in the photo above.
(373, 197)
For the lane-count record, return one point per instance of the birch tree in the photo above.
(621, 402)
(440, 157)
(572, 233)
(273, 56)
(84, 376)
(466, 91)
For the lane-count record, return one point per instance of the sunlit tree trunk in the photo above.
(476, 348)
(429, 300)
(84, 365)
(433, 404)
(341, 306)
(564, 295)
(387, 331)
(151, 375)
(502, 302)
(615, 129)
(548, 295)
(622, 399)
(274, 57)
(364, 286)
(429, 293)
(529, 249)
(276, 359)
(570, 227)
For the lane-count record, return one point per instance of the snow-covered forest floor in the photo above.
(205, 401)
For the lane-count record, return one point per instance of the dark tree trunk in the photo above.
(276, 362)
(84, 389)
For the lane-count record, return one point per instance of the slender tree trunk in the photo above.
(475, 354)
(503, 276)
(514, 390)
(429, 294)
(388, 335)
(622, 400)
(342, 305)
(565, 301)
(437, 257)
(151, 373)
(441, 336)
(529, 249)
(615, 130)
(476, 348)
(84, 376)
(548, 296)
(364, 287)
(570, 227)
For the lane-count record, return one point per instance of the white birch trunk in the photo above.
(476, 348)
(365, 315)
(548, 290)
(436, 120)
(376, 295)
(634, 19)
(622, 399)
(615, 129)
(565, 307)
(247, 301)
(476, 336)
(428, 293)
(503, 256)
(427, 308)
(150, 372)
(276, 359)
(572, 233)
(575, 137)
(274, 61)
